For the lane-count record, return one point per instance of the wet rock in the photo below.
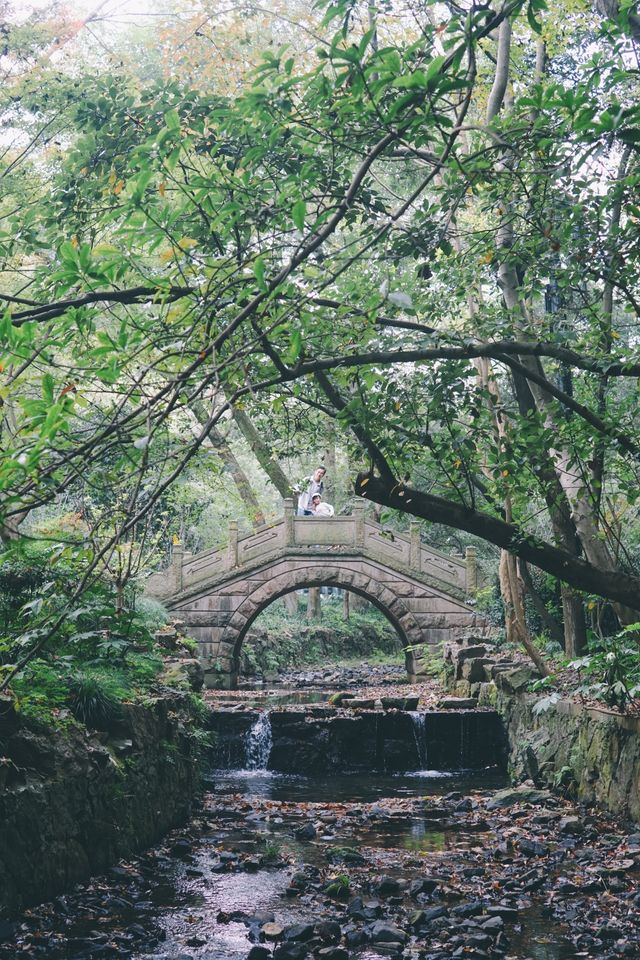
(400, 703)
(290, 951)
(272, 931)
(502, 910)
(383, 932)
(329, 931)
(259, 953)
(181, 848)
(306, 832)
(531, 848)
(360, 703)
(609, 931)
(333, 953)
(516, 679)
(387, 887)
(472, 909)
(472, 651)
(423, 886)
(298, 932)
(571, 825)
(509, 797)
(423, 917)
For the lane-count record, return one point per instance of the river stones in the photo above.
(388, 887)
(329, 931)
(513, 795)
(383, 932)
(306, 832)
(259, 953)
(423, 886)
(299, 932)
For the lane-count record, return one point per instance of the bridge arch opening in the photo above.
(394, 610)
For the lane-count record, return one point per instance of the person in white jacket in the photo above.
(307, 488)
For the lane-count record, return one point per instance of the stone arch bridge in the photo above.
(219, 593)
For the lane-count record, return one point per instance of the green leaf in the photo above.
(172, 119)
(295, 346)
(259, 270)
(535, 25)
(299, 213)
(48, 384)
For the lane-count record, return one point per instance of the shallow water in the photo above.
(188, 902)
(190, 905)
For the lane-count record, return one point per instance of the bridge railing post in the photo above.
(471, 583)
(358, 516)
(232, 549)
(177, 555)
(415, 548)
(289, 522)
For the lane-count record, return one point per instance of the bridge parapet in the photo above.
(313, 536)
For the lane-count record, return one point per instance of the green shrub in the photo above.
(151, 613)
(40, 690)
(95, 698)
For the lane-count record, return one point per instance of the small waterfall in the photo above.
(419, 721)
(258, 742)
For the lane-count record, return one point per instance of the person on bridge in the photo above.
(314, 485)
(319, 508)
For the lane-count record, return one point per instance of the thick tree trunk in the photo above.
(314, 611)
(549, 623)
(613, 585)
(329, 461)
(239, 477)
(262, 454)
(291, 604)
(222, 447)
(515, 620)
(575, 626)
(346, 609)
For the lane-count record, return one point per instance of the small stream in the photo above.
(188, 903)
(206, 893)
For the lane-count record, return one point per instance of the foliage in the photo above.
(151, 613)
(611, 671)
(279, 642)
(378, 234)
(93, 698)
(339, 887)
(271, 852)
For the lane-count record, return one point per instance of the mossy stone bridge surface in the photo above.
(218, 594)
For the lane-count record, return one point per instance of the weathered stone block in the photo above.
(516, 679)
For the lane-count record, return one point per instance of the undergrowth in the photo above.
(278, 641)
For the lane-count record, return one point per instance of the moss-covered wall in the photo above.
(73, 802)
(592, 754)
(589, 753)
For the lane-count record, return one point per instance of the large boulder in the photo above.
(183, 673)
(516, 679)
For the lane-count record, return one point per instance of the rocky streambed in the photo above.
(420, 864)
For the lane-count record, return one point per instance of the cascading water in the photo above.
(258, 742)
(419, 721)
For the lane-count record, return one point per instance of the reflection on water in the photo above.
(356, 788)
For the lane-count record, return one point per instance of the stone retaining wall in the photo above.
(72, 803)
(591, 754)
